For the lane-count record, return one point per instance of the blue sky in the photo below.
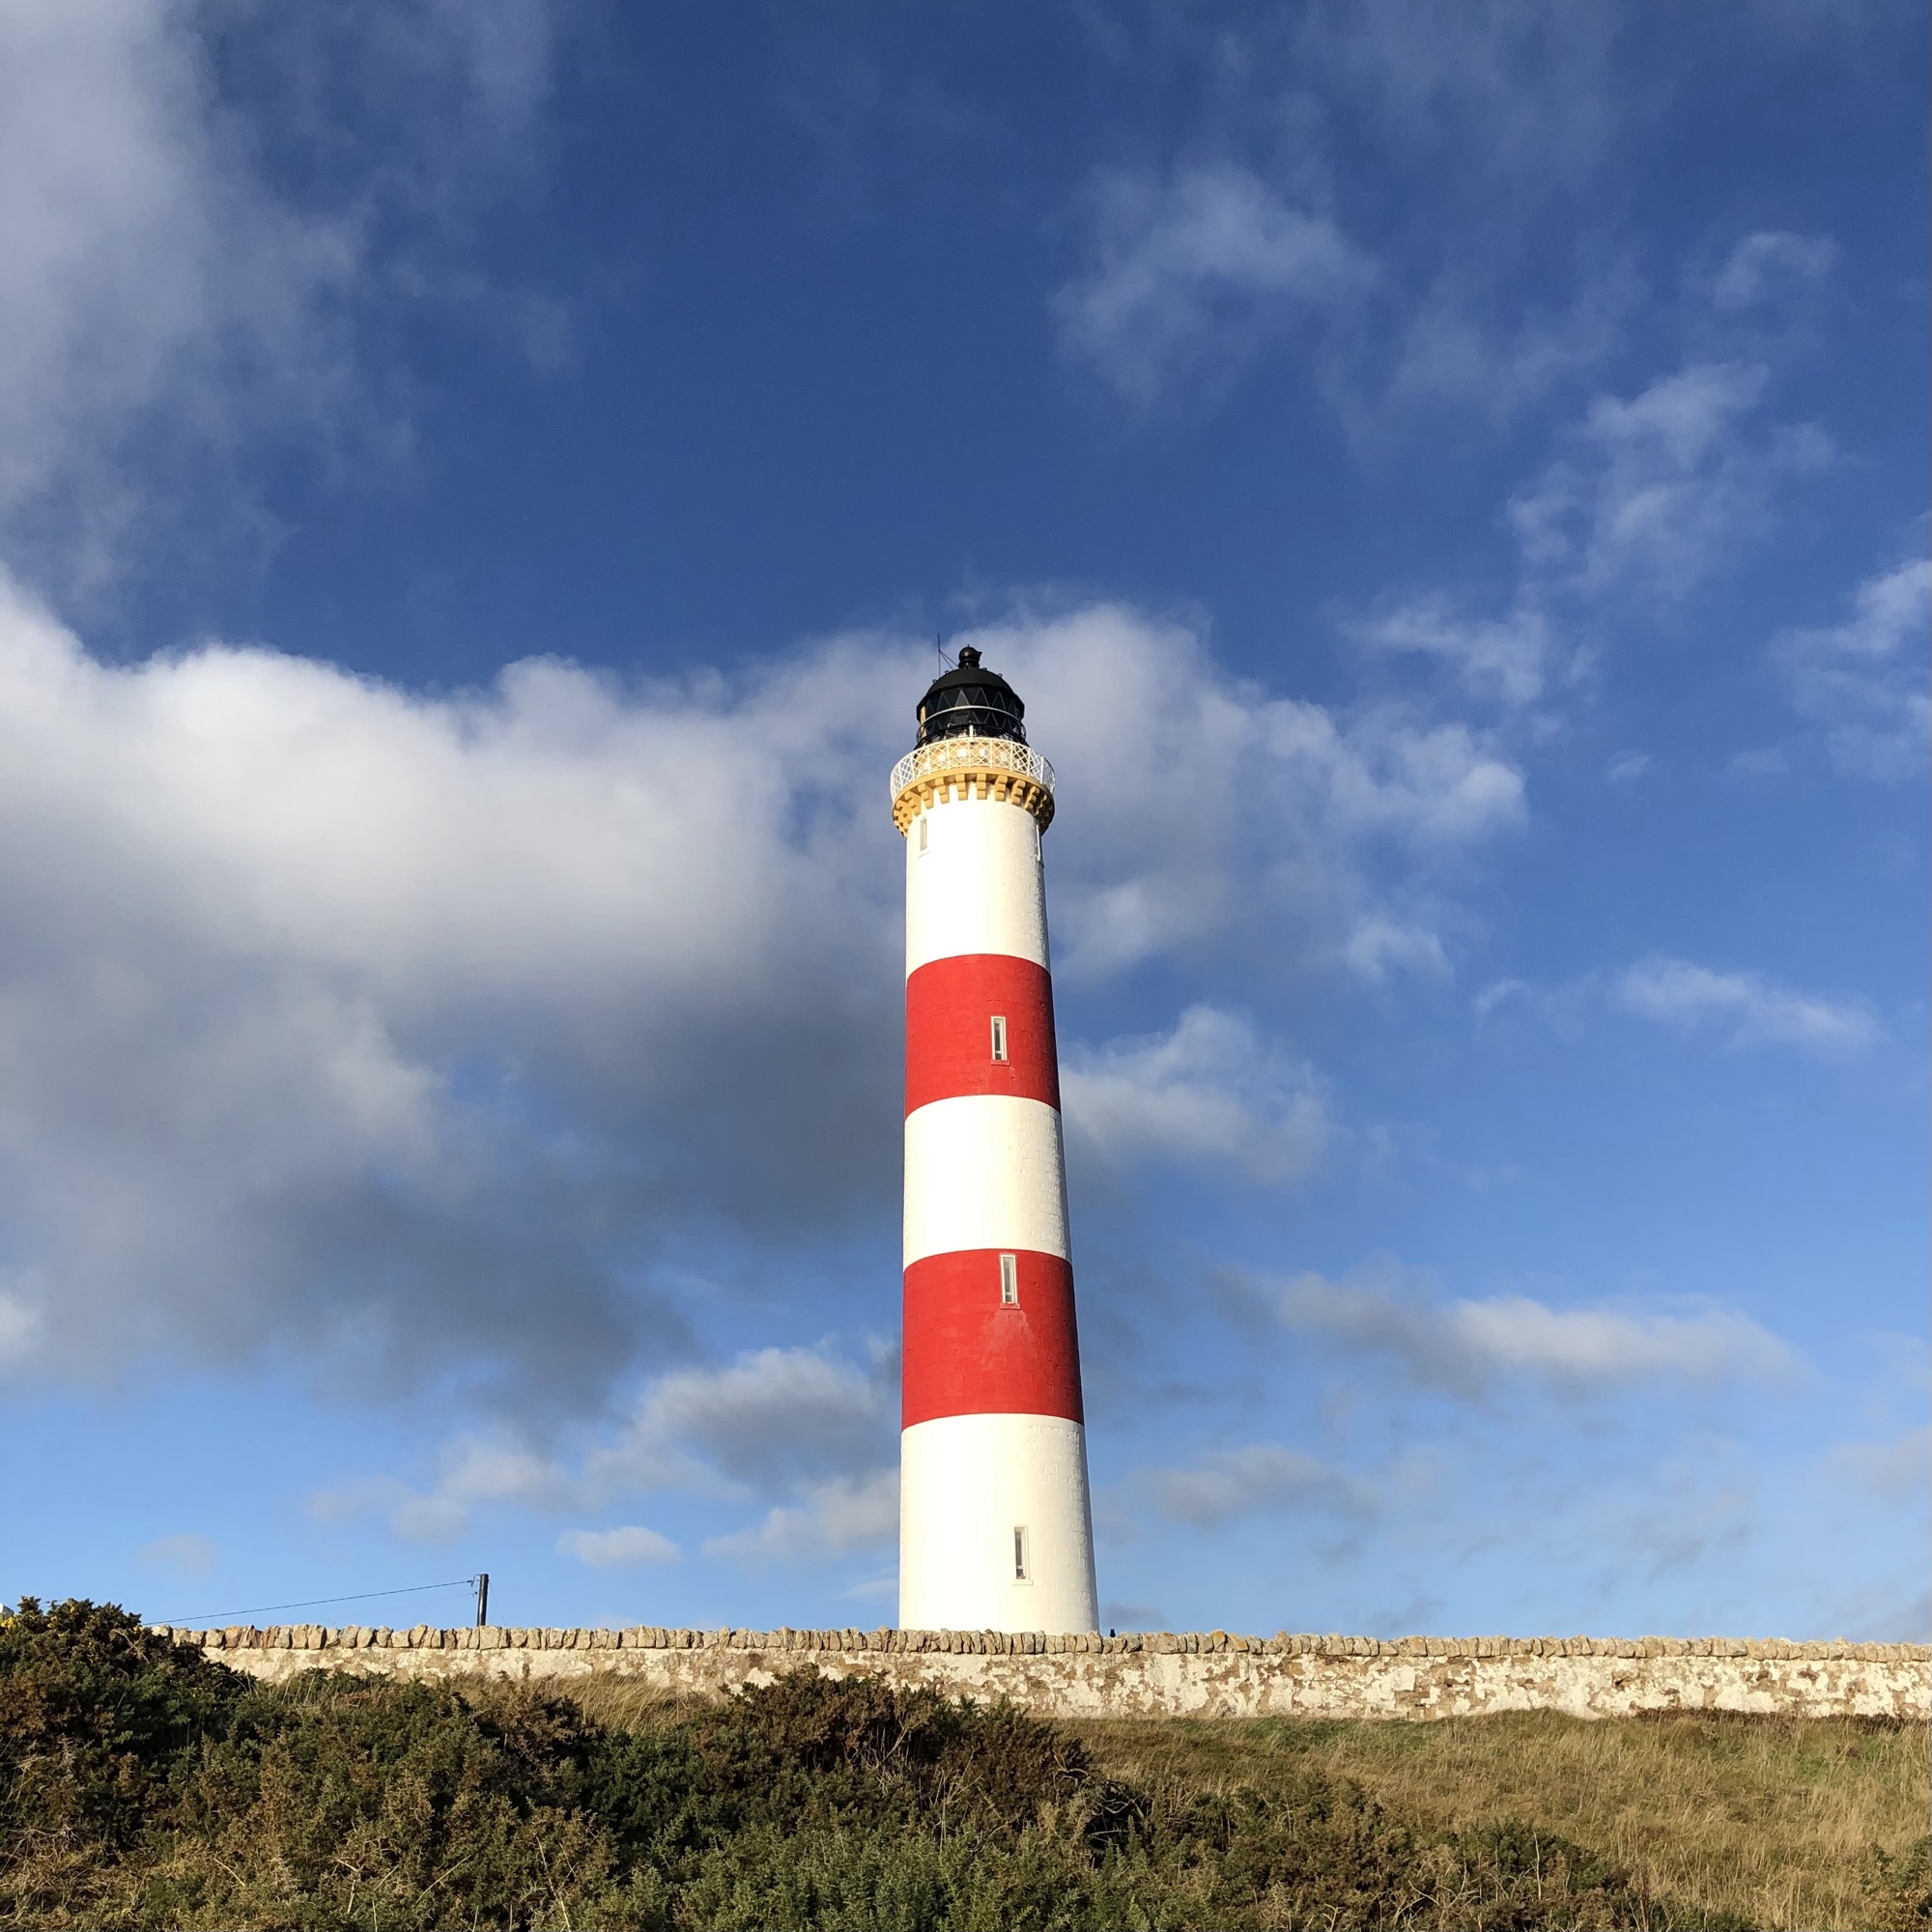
(477, 489)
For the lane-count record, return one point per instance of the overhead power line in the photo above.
(316, 1603)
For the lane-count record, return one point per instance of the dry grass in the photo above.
(1770, 1820)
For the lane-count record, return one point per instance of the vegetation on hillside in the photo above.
(142, 1783)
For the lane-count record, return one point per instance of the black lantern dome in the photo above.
(971, 701)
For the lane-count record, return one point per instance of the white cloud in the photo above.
(617, 1548)
(1513, 1331)
(19, 1323)
(1864, 682)
(155, 285)
(771, 1422)
(1464, 1346)
(1754, 1011)
(1626, 767)
(1209, 1094)
(1749, 1008)
(837, 1517)
(770, 1417)
(1378, 946)
(1262, 1475)
(1191, 271)
(1261, 821)
(403, 1030)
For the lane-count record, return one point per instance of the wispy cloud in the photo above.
(1772, 265)
(774, 1422)
(1662, 487)
(618, 1548)
(1210, 1094)
(1898, 1468)
(186, 1555)
(1750, 1008)
(766, 1418)
(1190, 272)
(835, 1517)
(1381, 947)
(1744, 1009)
(1467, 1346)
(1260, 1476)
(1863, 683)
(1525, 95)
(1504, 657)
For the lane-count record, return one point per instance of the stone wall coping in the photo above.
(1029, 1643)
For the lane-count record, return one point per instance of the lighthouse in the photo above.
(995, 1525)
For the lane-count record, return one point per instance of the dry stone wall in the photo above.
(1159, 1674)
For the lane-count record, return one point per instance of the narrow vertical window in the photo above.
(925, 826)
(1009, 1280)
(1020, 1554)
(999, 1036)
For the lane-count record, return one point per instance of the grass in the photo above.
(1773, 1822)
(142, 1783)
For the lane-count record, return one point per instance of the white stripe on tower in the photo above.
(995, 1527)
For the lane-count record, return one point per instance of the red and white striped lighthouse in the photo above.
(995, 1527)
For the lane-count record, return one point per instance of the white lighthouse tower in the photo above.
(995, 1527)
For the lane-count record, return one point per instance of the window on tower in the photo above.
(925, 826)
(1022, 1572)
(999, 1036)
(1009, 1280)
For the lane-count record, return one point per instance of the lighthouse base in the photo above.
(995, 1528)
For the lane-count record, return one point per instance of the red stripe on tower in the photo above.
(989, 1333)
(980, 1023)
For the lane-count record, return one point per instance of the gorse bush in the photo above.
(145, 1785)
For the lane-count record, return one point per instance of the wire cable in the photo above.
(316, 1603)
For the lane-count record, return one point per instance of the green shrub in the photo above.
(145, 1785)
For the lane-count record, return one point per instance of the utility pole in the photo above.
(482, 1597)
